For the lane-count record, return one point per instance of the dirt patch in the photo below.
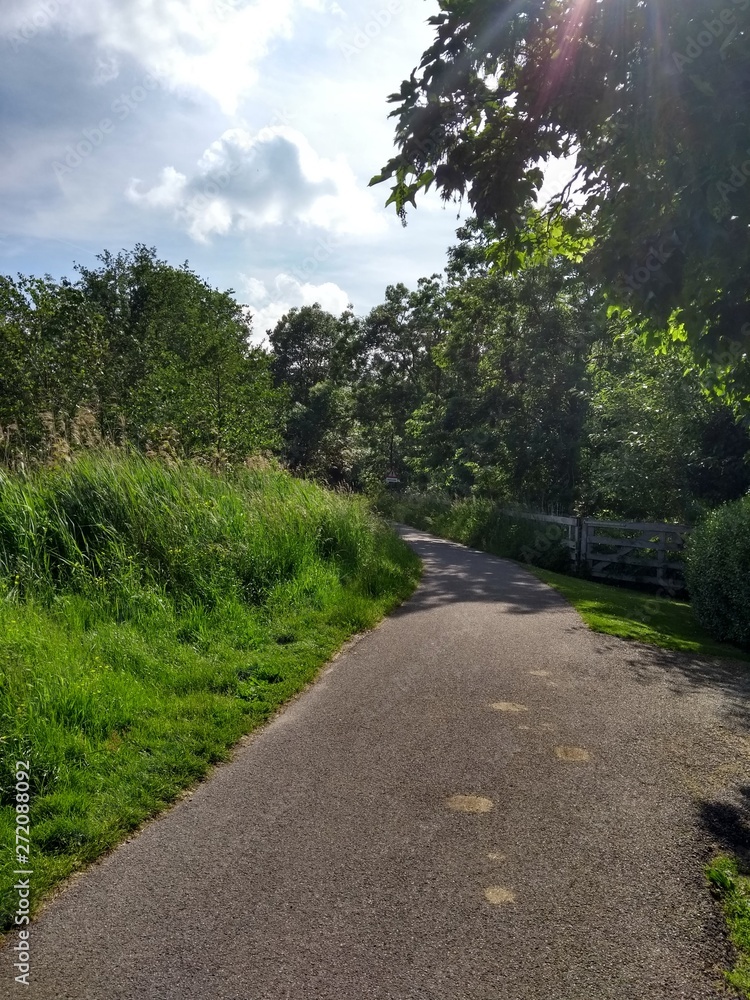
(499, 896)
(573, 755)
(470, 804)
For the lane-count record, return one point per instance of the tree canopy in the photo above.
(517, 388)
(650, 98)
(149, 351)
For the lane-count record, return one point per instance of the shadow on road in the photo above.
(686, 672)
(466, 575)
(457, 574)
(728, 822)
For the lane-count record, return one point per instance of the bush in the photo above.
(717, 569)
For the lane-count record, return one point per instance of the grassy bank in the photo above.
(642, 617)
(733, 890)
(149, 616)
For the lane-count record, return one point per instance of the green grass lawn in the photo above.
(733, 890)
(631, 614)
(149, 617)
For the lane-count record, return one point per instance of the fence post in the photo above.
(661, 558)
(579, 542)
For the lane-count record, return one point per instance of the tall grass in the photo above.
(149, 616)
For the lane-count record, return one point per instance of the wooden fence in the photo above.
(630, 551)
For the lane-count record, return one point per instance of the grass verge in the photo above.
(631, 614)
(733, 890)
(149, 617)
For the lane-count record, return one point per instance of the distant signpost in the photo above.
(391, 478)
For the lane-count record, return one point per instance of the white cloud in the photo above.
(213, 46)
(297, 205)
(244, 182)
(255, 289)
(268, 306)
(168, 193)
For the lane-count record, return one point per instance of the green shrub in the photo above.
(717, 568)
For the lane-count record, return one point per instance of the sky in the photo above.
(238, 135)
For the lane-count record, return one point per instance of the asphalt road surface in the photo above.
(479, 800)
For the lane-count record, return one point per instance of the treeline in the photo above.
(514, 388)
(507, 387)
(133, 351)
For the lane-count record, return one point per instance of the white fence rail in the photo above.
(630, 551)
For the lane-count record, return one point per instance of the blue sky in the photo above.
(237, 134)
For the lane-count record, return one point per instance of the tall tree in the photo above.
(52, 353)
(655, 445)
(651, 99)
(513, 359)
(400, 337)
(135, 342)
(179, 358)
(304, 344)
(314, 358)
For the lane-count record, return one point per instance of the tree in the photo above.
(134, 347)
(513, 358)
(655, 447)
(179, 358)
(304, 344)
(651, 98)
(399, 337)
(314, 358)
(52, 354)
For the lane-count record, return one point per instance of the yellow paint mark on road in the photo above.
(573, 755)
(469, 803)
(496, 856)
(508, 706)
(499, 896)
(539, 673)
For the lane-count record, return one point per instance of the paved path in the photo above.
(333, 859)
